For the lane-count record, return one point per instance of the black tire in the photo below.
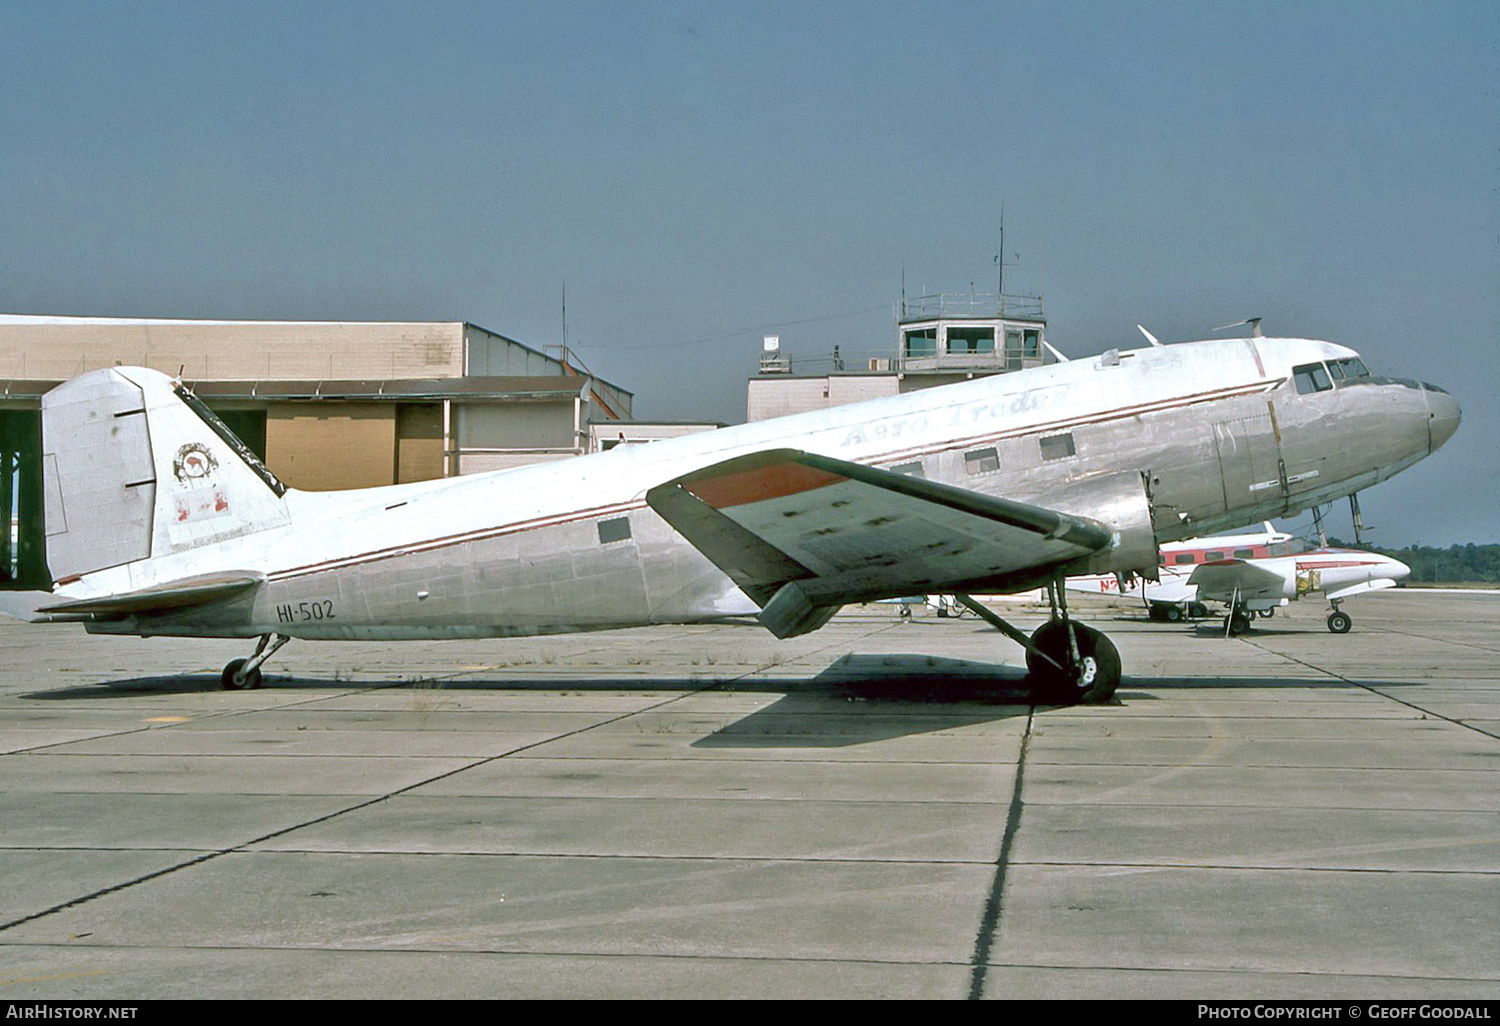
(1339, 622)
(252, 680)
(1093, 684)
(1159, 613)
(1174, 614)
(1239, 623)
(1265, 614)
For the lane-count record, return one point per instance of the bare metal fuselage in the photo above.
(1215, 430)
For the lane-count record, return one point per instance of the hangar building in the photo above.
(326, 405)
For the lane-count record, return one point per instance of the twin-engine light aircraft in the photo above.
(1251, 574)
(160, 522)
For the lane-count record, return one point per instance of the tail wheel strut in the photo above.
(244, 674)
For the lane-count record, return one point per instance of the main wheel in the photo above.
(1339, 622)
(1265, 614)
(251, 681)
(1092, 681)
(1174, 614)
(1239, 623)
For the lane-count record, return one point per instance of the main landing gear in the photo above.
(244, 674)
(1069, 662)
(1339, 621)
(1237, 620)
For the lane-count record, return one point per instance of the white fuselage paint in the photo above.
(520, 551)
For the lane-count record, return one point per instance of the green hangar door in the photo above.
(23, 535)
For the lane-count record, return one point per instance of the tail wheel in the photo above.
(1339, 622)
(1092, 681)
(250, 683)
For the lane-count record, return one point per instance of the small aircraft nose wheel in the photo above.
(250, 682)
(1092, 680)
(1339, 622)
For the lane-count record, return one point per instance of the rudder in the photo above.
(135, 467)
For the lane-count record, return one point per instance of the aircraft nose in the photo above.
(1399, 570)
(1445, 414)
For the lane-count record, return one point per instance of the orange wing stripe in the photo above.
(761, 484)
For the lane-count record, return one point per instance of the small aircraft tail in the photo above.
(135, 467)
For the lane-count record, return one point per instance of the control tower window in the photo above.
(1032, 347)
(920, 342)
(1014, 350)
(971, 340)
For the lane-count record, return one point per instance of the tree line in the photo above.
(1479, 564)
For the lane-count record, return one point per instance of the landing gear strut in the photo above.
(245, 673)
(1237, 620)
(1069, 662)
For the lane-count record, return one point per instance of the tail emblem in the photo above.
(193, 463)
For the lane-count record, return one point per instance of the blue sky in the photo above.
(698, 174)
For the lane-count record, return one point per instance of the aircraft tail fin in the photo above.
(135, 467)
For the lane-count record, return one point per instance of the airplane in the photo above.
(1252, 574)
(160, 522)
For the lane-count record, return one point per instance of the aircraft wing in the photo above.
(158, 599)
(1379, 584)
(1219, 581)
(803, 534)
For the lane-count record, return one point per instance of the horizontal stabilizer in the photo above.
(22, 605)
(160, 599)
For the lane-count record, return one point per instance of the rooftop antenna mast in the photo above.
(1000, 258)
(1000, 263)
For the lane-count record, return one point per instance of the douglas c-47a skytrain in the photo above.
(160, 522)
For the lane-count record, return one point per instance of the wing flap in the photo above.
(160, 599)
(848, 533)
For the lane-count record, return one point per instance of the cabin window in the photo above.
(1244, 553)
(1033, 345)
(1183, 557)
(614, 530)
(913, 469)
(982, 461)
(1056, 447)
(1311, 377)
(1280, 549)
(1212, 555)
(971, 340)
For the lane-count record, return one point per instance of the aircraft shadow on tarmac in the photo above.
(863, 698)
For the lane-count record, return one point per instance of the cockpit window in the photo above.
(1311, 377)
(1354, 368)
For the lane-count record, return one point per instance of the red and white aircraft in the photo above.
(1251, 574)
